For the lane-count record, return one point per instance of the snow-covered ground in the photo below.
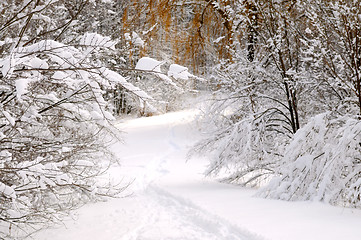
(170, 198)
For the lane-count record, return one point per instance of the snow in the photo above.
(96, 115)
(59, 75)
(179, 72)
(8, 117)
(170, 199)
(7, 191)
(127, 36)
(219, 39)
(96, 40)
(7, 65)
(137, 41)
(2, 136)
(148, 64)
(21, 86)
(39, 63)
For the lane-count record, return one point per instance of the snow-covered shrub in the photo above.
(246, 152)
(323, 162)
(247, 123)
(54, 129)
(246, 129)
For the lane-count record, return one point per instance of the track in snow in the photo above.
(173, 218)
(168, 216)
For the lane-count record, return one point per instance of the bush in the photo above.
(321, 163)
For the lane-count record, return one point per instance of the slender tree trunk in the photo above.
(252, 34)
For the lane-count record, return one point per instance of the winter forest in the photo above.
(274, 86)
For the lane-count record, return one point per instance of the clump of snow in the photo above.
(149, 64)
(7, 65)
(134, 39)
(21, 87)
(179, 72)
(137, 41)
(10, 119)
(39, 63)
(59, 75)
(7, 190)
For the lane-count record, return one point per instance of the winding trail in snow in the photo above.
(168, 216)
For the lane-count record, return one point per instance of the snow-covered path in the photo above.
(155, 154)
(170, 199)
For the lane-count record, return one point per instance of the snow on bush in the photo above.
(179, 72)
(149, 64)
(244, 149)
(247, 125)
(55, 129)
(134, 39)
(323, 163)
